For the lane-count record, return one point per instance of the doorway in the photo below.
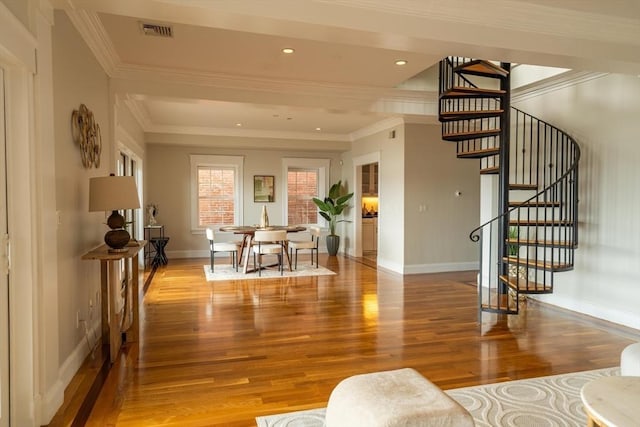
(4, 270)
(370, 210)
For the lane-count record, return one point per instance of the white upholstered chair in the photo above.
(311, 245)
(267, 242)
(232, 247)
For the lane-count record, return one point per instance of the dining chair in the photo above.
(231, 247)
(267, 242)
(311, 245)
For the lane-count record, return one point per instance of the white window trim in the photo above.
(235, 162)
(322, 165)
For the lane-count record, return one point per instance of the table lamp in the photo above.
(112, 193)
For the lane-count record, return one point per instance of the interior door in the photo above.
(4, 270)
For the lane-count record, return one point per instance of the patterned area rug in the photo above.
(541, 402)
(226, 272)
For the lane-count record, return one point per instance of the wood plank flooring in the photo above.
(222, 353)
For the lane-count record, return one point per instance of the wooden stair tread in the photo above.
(490, 171)
(537, 264)
(523, 186)
(538, 204)
(477, 154)
(540, 223)
(480, 67)
(472, 92)
(545, 243)
(526, 287)
(469, 115)
(461, 136)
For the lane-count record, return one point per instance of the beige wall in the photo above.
(391, 194)
(77, 79)
(167, 174)
(417, 169)
(437, 222)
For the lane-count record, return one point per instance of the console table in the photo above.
(117, 320)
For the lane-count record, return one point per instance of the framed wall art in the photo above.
(264, 188)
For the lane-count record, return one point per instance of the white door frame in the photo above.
(358, 162)
(4, 273)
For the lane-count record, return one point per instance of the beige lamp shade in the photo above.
(110, 193)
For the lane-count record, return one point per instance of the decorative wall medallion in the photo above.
(86, 133)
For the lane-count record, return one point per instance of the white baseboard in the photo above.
(48, 404)
(626, 319)
(440, 267)
(69, 368)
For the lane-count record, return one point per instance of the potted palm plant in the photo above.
(330, 209)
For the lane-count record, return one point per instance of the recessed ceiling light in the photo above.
(318, 129)
(401, 62)
(239, 124)
(288, 50)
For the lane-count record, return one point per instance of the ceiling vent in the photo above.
(156, 29)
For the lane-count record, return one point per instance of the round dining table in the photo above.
(248, 231)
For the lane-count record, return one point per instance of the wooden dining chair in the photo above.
(267, 242)
(232, 247)
(311, 245)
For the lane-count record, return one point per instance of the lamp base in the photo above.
(117, 251)
(117, 240)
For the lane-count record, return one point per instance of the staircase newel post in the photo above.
(503, 190)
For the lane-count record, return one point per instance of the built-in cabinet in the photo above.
(369, 234)
(370, 179)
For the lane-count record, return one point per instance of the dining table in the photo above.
(248, 231)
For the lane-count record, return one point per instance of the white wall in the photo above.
(167, 174)
(603, 115)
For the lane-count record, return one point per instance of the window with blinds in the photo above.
(302, 186)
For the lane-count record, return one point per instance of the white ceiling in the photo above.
(223, 71)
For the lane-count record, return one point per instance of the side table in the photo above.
(160, 257)
(151, 231)
(113, 320)
(612, 401)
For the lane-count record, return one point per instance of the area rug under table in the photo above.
(227, 272)
(552, 401)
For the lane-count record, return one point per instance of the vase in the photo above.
(333, 243)
(264, 218)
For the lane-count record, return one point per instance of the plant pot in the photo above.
(333, 243)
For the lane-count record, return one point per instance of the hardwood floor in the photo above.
(222, 353)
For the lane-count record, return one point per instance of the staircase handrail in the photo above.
(474, 236)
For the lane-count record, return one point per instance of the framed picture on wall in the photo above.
(264, 188)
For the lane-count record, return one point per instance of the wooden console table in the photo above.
(113, 318)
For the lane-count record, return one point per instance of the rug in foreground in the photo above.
(552, 401)
(226, 272)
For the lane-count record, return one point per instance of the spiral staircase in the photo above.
(534, 233)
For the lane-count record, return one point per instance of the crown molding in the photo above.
(551, 84)
(246, 133)
(377, 127)
(512, 16)
(90, 27)
(139, 113)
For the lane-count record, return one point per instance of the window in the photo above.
(302, 186)
(216, 191)
(306, 179)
